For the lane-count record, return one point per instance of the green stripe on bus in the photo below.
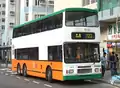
(77, 77)
(55, 13)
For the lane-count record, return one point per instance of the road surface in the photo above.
(9, 79)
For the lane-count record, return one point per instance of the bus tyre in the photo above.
(24, 71)
(18, 69)
(49, 75)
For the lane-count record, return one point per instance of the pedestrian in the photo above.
(103, 63)
(112, 61)
(116, 63)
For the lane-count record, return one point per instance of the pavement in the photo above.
(3, 65)
(9, 79)
(107, 79)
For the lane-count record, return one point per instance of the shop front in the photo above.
(5, 54)
(113, 45)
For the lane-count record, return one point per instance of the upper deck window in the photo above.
(81, 19)
(47, 24)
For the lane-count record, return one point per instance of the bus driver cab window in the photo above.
(55, 53)
(68, 52)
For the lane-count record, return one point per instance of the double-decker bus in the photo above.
(61, 46)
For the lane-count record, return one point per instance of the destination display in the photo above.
(82, 35)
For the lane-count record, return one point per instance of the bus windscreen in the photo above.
(81, 53)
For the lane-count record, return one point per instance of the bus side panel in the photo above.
(15, 62)
(14, 65)
(57, 69)
(38, 68)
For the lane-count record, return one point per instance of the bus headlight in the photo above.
(96, 70)
(70, 71)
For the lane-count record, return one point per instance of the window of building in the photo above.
(3, 5)
(11, 24)
(27, 3)
(118, 2)
(38, 2)
(111, 11)
(39, 15)
(118, 27)
(11, 0)
(12, 13)
(2, 26)
(3, 19)
(115, 29)
(87, 2)
(35, 16)
(51, 2)
(26, 17)
(3, 12)
(42, 15)
(55, 53)
(27, 53)
(110, 29)
(41, 1)
(93, 1)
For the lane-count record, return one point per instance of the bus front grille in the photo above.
(84, 71)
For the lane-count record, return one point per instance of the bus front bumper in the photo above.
(85, 77)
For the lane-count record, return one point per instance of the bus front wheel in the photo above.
(24, 71)
(49, 75)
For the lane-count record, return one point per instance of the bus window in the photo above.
(81, 19)
(27, 53)
(55, 53)
(81, 52)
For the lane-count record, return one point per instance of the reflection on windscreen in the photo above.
(81, 52)
(81, 19)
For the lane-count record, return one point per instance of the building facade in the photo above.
(7, 21)
(32, 9)
(2, 18)
(109, 16)
(74, 3)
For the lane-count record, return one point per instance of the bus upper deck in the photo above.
(68, 18)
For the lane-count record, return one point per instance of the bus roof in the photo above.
(55, 13)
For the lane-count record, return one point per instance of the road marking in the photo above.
(6, 74)
(17, 77)
(47, 85)
(26, 79)
(36, 82)
(8, 71)
(3, 69)
(14, 73)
